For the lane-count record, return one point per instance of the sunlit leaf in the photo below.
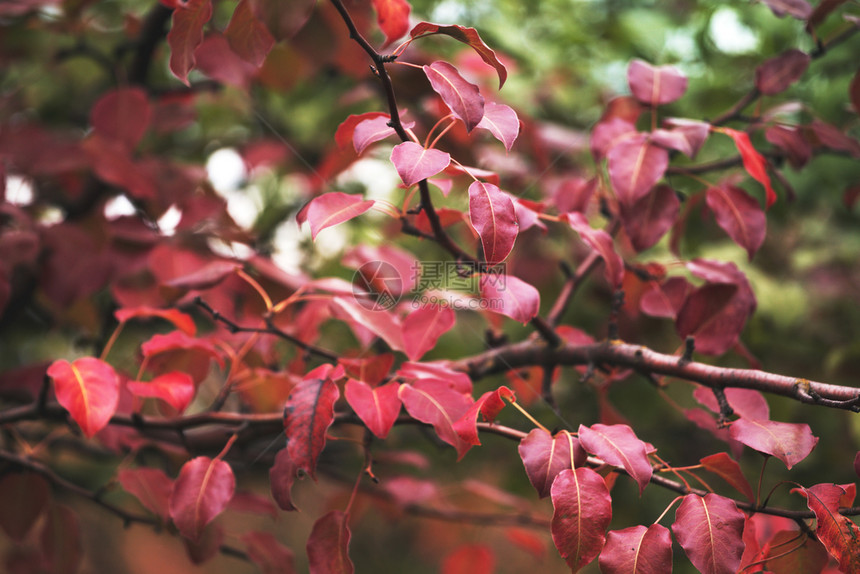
(753, 161)
(501, 121)
(89, 389)
(393, 18)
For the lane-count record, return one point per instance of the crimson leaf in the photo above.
(618, 445)
(463, 97)
(186, 34)
(789, 442)
(739, 215)
(376, 407)
(328, 545)
(582, 511)
(510, 296)
(637, 550)
(308, 414)
(544, 456)
(494, 218)
(710, 530)
(200, 493)
(330, 209)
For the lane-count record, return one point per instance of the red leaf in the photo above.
(470, 559)
(249, 38)
(330, 209)
(637, 550)
(739, 215)
(437, 405)
(282, 475)
(494, 217)
(328, 545)
(414, 163)
(618, 445)
(464, 98)
(307, 415)
(710, 530)
(180, 320)
(754, 163)
(393, 18)
(666, 299)
(218, 61)
(376, 407)
(122, 115)
(423, 327)
(544, 456)
(726, 468)
(186, 34)
(582, 511)
(201, 492)
(283, 19)
(438, 370)
(371, 370)
(177, 347)
(112, 164)
(789, 442)
(838, 533)
(686, 136)
(655, 85)
(746, 403)
(799, 9)
(601, 242)
(151, 487)
(635, 166)
(89, 389)
(270, 556)
(176, 389)
(468, 36)
(647, 220)
(346, 130)
(380, 323)
(832, 137)
(206, 277)
(501, 121)
(777, 74)
(608, 132)
(510, 296)
(489, 405)
(23, 498)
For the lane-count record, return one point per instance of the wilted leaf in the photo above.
(618, 445)
(637, 550)
(201, 492)
(739, 215)
(501, 121)
(510, 296)
(414, 163)
(789, 442)
(376, 407)
(710, 530)
(186, 34)
(423, 327)
(777, 74)
(582, 511)
(328, 545)
(464, 98)
(308, 414)
(494, 217)
(89, 389)
(330, 209)
(655, 85)
(468, 36)
(544, 456)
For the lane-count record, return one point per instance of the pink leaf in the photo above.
(330, 209)
(308, 414)
(283, 19)
(618, 445)
(470, 559)
(609, 132)
(489, 405)
(726, 468)
(438, 370)
(464, 98)
(206, 277)
(151, 487)
(838, 533)
(282, 475)
(710, 530)
(380, 323)
(180, 320)
(249, 38)
(328, 545)
(754, 163)
(200, 493)
(122, 115)
(89, 389)
(791, 142)
(376, 407)
(647, 220)
(666, 299)
(494, 218)
(437, 405)
(799, 9)
(186, 34)
(739, 215)
(777, 74)
(371, 369)
(746, 403)
(218, 61)
(468, 36)
(501, 121)
(414, 163)
(510, 296)
(686, 136)
(635, 166)
(601, 242)
(655, 85)
(371, 130)
(393, 18)
(789, 442)
(423, 327)
(346, 130)
(270, 556)
(176, 389)
(544, 456)
(582, 511)
(637, 550)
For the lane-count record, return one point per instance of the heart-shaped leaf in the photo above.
(200, 493)
(655, 85)
(582, 511)
(89, 389)
(710, 530)
(545, 455)
(414, 163)
(436, 404)
(376, 407)
(494, 217)
(464, 98)
(635, 166)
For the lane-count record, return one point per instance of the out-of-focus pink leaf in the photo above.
(665, 300)
(151, 487)
(468, 36)
(439, 371)
(609, 132)
(544, 456)
(582, 511)
(122, 115)
(376, 407)
(308, 414)
(346, 130)
(371, 130)
(423, 327)
(381, 323)
(282, 475)
(753, 161)
(838, 533)
(332, 208)
(792, 142)
(637, 550)
(414, 163)
(494, 217)
(283, 19)
(510, 296)
(470, 559)
(501, 121)
(789, 442)
(23, 498)
(180, 320)
(799, 9)
(186, 34)
(635, 166)
(686, 136)
(726, 468)
(834, 138)
(328, 545)
(89, 389)
(437, 405)
(489, 405)
(777, 74)
(249, 38)
(218, 61)
(655, 85)
(201, 492)
(739, 215)
(393, 18)
(601, 242)
(370, 369)
(176, 389)
(710, 530)
(464, 98)
(649, 218)
(270, 556)
(618, 445)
